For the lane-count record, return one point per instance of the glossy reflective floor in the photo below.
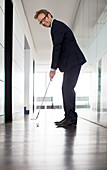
(27, 147)
(94, 116)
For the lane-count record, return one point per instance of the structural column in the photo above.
(8, 59)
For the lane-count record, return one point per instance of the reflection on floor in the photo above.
(27, 147)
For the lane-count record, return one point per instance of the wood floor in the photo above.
(24, 146)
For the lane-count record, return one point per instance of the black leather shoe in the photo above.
(60, 121)
(66, 123)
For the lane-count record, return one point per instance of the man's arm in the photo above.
(57, 38)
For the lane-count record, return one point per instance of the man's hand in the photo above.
(51, 74)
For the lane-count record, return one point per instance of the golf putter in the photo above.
(43, 100)
(41, 104)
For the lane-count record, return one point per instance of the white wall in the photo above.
(24, 25)
(98, 47)
(104, 84)
(1, 57)
(97, 51)
(28, 80)
(20, 30)
(18, 64)
(94, 87)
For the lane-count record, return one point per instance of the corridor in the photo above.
(27, 52)
(25, 146)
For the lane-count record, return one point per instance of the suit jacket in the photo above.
(66, 52)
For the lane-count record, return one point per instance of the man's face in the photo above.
(45, 20)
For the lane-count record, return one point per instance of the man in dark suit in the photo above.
(66, 56)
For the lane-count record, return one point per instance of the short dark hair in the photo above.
(42, 11)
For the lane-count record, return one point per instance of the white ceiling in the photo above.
(80, 15)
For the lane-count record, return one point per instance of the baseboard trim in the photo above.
(94, 122)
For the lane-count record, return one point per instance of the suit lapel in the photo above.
(52, 29)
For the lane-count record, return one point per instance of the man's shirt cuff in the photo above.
(52, 69)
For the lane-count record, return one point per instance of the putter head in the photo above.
(37, 115)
